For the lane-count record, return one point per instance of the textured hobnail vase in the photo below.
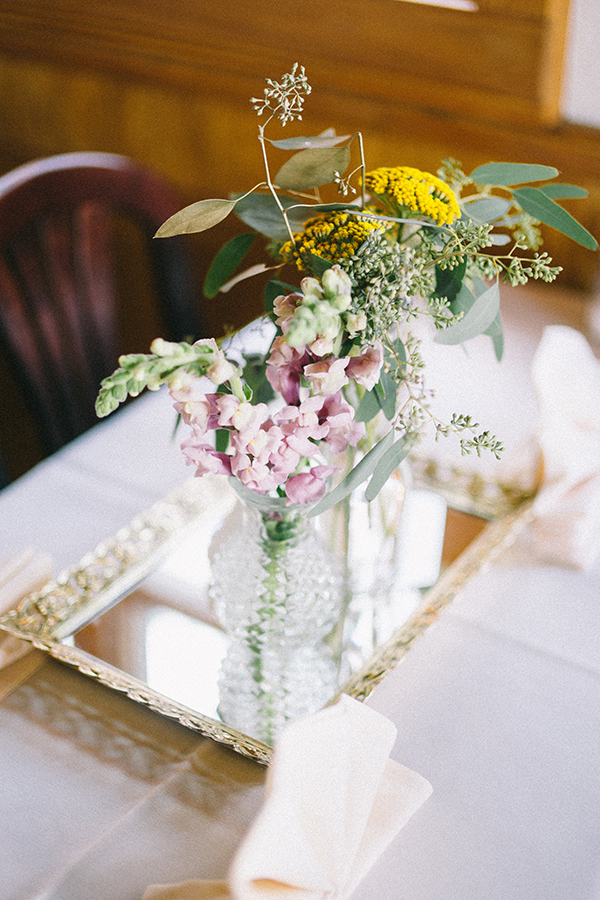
(276, 591)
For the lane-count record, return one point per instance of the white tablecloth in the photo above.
(498, 706)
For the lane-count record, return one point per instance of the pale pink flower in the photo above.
(343, 431)
(195, 406)
(204, 457)
(245, 417)
(308, 487)
(322, 346)
(366, 367)
(327, 376)
(284, 369)
(284, 460)
(284, 308)
(221, 369)
(254, 474)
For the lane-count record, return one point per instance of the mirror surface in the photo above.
(164, 632)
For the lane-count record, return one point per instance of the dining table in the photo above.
(497, 705)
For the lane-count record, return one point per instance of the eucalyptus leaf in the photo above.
(361, 471)
(368, 407)
(499, 240)
(260, 211)
(448, 282)
(559, 191)
(225, 262)
(480, 314)
(488, 209)
(255, 375)
(335, 207)
(312, 168)
(310, 143)
(221, 439)
(399, 350)
(496, 333)
(386, 391)
(505, 174)
(388, 463)
(274, 289)
(198, 217)
(540, 206)
(320, 265)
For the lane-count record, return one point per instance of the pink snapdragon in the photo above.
(308, 487)
(284, 308)
(301, 426)
(241, 415)
(196, 407)
(204, 457)
(365, 368)
(284, 369)
(328, 375)
(254, 474)
(343, 431)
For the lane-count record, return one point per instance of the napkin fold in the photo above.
(333, 802)
(20, 575)
(566, 377)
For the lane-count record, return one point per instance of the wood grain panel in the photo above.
(490, 63)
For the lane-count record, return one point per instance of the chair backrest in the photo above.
(58, 319)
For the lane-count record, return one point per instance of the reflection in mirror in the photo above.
(165, 635)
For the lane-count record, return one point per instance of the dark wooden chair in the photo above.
(58, 317)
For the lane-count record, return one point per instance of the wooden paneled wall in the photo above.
(169, 83)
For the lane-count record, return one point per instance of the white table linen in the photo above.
(498, 705)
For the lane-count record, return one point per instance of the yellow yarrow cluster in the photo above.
(415, 190)
(332, 236)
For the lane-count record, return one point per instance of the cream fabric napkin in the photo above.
(20, 575)
(566, 377)
(334, 801)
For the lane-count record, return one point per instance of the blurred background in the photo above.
(168, 84)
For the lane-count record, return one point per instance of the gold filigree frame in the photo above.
(117, 565)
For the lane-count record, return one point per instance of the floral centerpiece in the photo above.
(344, 372)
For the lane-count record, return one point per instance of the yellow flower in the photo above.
(332, 236)
(417, 191)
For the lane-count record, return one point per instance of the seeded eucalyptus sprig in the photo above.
(168, 363)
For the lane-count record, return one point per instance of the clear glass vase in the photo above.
(276, 590)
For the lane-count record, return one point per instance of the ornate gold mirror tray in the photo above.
(135, 613)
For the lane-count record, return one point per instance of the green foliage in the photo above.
(276, 289)
(538, 204)
(448, 280)
(255, 376)
(479, 314)
(328, 139)
(312, 168)
(225, 263)
(164, 365)
(361, 471)
(487, 209)
(388, 463)
(559, 191)
(263, 213)
(195, 218)
(508, 174)
(406, 268)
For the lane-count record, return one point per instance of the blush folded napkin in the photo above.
(20, 575)
(333, 802)
(566, 377)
